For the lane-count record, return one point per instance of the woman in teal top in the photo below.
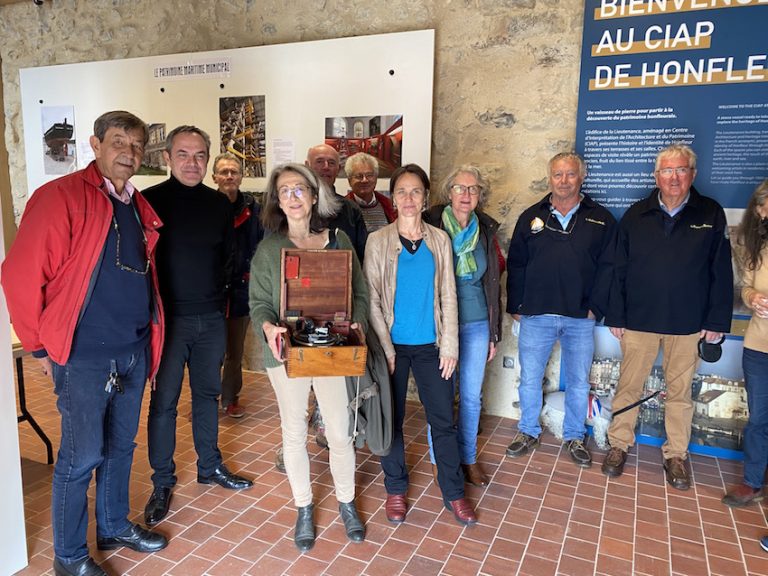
(478, 265)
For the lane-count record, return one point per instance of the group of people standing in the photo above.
(429, 295)
(119, 287)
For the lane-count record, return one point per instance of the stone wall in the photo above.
(506, 77)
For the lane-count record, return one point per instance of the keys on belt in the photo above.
(113, 380)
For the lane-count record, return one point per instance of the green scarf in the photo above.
(464, 241)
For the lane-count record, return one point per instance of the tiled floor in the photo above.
(540, 515)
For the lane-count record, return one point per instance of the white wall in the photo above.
(13, 537)
(304, 83)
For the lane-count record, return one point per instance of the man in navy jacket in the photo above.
(228, 175)
(672, 285)
(557, 286)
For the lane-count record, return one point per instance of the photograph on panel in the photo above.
(242, 126)
(379, 136)
(153, 163)
(59, 155)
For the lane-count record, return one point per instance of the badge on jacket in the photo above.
(537, 225)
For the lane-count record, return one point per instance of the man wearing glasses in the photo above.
(81, 288)
(557, 286)
(228, 175)
(194, 261)
(673, 285)
(363, 172)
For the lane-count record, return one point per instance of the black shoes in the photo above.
(579, 453)
(225, 479)
(136, 538)
(158, 505)
(84, 567)
(613, 465)
(304, 535)
(352, 523)
(677, 473)
(521, 445)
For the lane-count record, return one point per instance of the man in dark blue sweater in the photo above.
(673, 284)
(557, 285)
(194, 260)
(81, 286)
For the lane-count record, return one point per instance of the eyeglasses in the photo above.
(227, 172)
(285, 192)
(118, 263)
(567, 231)
(363, 177)
(680, 171)
(460, 189)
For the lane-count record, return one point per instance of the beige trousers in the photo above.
(680, 359)
(292, 396)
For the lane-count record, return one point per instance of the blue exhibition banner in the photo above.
(654, 72)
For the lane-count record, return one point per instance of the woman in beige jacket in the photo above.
(409, 267)
(752, 251)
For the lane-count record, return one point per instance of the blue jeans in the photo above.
(436, 396)
(199, 342)
(538, 335)
(98, 429)
(755, 366)
(474, 338)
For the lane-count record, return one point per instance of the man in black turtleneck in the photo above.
(194, 257)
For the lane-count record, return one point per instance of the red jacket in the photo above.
(48, 271)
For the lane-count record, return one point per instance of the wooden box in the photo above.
(317, 285)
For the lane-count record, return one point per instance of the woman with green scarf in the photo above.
(478, 265)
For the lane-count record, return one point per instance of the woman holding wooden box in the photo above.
(409, 268)
(290, 211)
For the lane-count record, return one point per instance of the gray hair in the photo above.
(574, 157)
(444, 195)
(227, 156)
(677, 149)
(361, 158)
(273, 218)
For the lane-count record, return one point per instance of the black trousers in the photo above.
(436, 396)
(198, 342)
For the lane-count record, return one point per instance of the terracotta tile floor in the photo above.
(540, 515)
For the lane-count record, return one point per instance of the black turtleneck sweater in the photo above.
(196, 246)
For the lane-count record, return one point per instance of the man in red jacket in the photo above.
(81, 288)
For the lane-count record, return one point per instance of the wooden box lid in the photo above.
(316, 284)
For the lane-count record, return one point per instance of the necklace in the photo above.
(414, 243)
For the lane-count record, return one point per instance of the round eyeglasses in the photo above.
(299, 190)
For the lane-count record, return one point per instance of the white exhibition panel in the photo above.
(303, 83)
(13, 536)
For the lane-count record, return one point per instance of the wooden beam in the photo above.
(6, 199)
